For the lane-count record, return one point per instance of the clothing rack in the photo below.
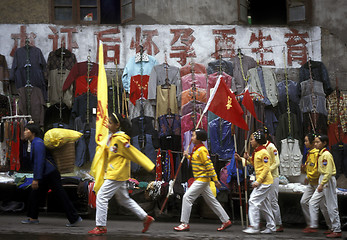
(15, 116)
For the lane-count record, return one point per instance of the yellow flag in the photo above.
(98, 166)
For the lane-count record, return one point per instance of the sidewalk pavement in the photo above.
(131, 227)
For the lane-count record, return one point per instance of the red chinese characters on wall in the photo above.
(21, 37)
(64, 31)
(110, 43)
(181, 44)
(296, 45)
(145, 39)
(224, 43)
(261, 49)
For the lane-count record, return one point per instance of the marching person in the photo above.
(312, 175)
(120, 152)
(259, 201)
(273, 194)
(326, 190)
(203, 172)
(46, 175)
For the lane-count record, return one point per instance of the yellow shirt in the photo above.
(326, 165)
(202, 165)
(274, 159)
(120, 153)
(311, 166)
(261, 162)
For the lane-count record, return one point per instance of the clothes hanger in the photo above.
(166, 85)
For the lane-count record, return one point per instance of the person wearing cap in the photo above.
(203, 172)
(259, 201)
(273, 195)
(326, 190)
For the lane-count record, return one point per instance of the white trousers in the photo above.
(310, 189)
(193, 193)
(329, 195)
(273, 198)
(259, 202)
(106, 192)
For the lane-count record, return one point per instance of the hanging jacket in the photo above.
(221, 139)
(318, 72)
(133, 67)
(120, 154)
(220, 65)
(199, 79)
(290, 158)
(247, 63)
(188, 68)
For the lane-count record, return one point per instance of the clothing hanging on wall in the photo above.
(290, 157)
(37, 104)
(197, 68)
(220, 65)
(59, 64)
(317, 71)
(81, 79)
(36, 66)
(240, 68)
(264, 81)
(197, 78)
(166, 101)
(158, 77)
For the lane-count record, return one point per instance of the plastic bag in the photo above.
(57, 137)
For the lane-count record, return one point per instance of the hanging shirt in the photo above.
(81, 69)
(56, 80)
(158, 77)
(263, 81)
(190, 67)
(212, 79)
(199, 80)
(188, 95)
(290, 158)
(219, 66)
(221, 139)
(240, 73)
(138, 87)
(187, 122)
(166, 99)
(133, 67)
(188, 107)
(169, 126)
(18, 72)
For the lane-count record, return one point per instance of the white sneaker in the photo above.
(266, 231)
(251, 230)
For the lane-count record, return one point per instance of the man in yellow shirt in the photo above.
(259, 201)
(326, 189)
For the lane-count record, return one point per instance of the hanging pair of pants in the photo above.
(304, 202)
(329, 195)
(259, 202)
(51, 181)
(193, 193)
(273, 198)
(106, 192)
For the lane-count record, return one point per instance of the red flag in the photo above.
(248, 103)
(223, 103)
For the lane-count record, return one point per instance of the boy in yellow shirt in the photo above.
(326, 189)
(203, 172)
(259, 201)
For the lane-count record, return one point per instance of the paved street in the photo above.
(52, 227)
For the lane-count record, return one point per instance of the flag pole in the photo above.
(245, 173)
(238, 182)
(178, 169)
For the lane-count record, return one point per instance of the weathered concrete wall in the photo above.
(24, 11)
(186, 12)
(331, 16)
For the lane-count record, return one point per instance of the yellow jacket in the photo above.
(261, 162)
(274, 159)
(311, 166)
(120, 153)
(202, 165)
(326, 165)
